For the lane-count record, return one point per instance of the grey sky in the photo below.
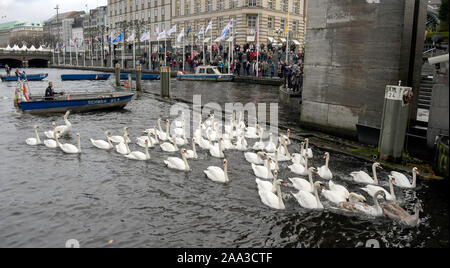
(40, 10)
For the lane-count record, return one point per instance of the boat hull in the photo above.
(31, 77)
(78, 77)
(78, 104)
(143, 76)
(215, 78)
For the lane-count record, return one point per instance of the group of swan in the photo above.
(265, 162)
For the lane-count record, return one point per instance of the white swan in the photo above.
(299, 158)
(265, 171)
(177, 163)
(140, 156)
(372, 189)
(50, 134)
(179, 123)
(121, 139)
(122, 148)
(283, 152)
(241, 144)
(338, 188)
(324, 172)
(349, 205)
(51, 143)
(217, 174)
(34, 141)
(203, 143)
(308, 153)
(363, 177)
(253, 158)
(252, 132)
(65, 130)
(169, 147)
(164, 136)
(395, 212)
(302, 184)
(335, 197)
(270, 199)
(402, 181)
(181, 141)
(259, 146)
(101, 144)
(150, 141)
(69, 148)
(266, 185)
(217, 150)
(271, 147)
(287, 137)
(192, 154)
(299, 169)
(308, 200)
(374, 210)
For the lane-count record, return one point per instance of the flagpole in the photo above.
(123, 56)
(64, 56)
(203, 46)
(58, 54)
(76, 51)
(111, 52)
(287, 39)
(53, 55)
(257, 48)
(70, 54)
(184, 53)
(84, 55)
(96, 49)
(165, 50)
(90, 51)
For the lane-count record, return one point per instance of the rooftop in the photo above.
(8, 25)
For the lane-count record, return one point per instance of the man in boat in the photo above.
(50, 93)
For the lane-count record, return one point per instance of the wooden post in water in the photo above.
(118, 74)
(165, 82)
(138, 78)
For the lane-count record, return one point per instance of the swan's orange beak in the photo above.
(365, 204)
(323, 187)
(284, 184)
(380, 167)
(417, 172)
(325, 157)
(393, 180)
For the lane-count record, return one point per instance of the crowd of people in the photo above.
(271, 62)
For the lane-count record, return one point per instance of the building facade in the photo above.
(272, 16)
(5, 31)
(139, 16)
(58, 29)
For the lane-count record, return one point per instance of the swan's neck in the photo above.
(146, 151)
(128, 148)
(302, 149)
(316, 194)
(327, 161)
(79, 144)
(414, 183)
(168, 128)
(194, 148)
(56, 139)
(108, 140)
(227, 180)
(156, 138)
(159, 125)
(307, 145)
(375, 179)
(377, 204)
(149, 139)
(287, 151)
(391, 188)
(269, 170)
(185, 162)
(280, 197)
(220, 148)
(37, 136)
(306, 163)
(311, 178)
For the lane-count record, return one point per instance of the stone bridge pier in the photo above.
(25, 59)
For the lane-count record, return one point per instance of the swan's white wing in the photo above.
(401, 180)
(362, 177)
(215, 174)
(338, 188)
(50, 144)
(136, 156)
(261, 172)
(335, 197)
(301, 184)
(32, 141)
(117, 139)
(264, 185)
(298, 169)
(49, 134)
(168, 147)
(69, 148)
(325, 173)
(269, 199)
(101, 144)
(306, 200)
(175, 163)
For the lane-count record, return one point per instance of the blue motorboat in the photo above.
(77, 102)
(143, 76)
(78, 77)
(206, 73)
(29, 77)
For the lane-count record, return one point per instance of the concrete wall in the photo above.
(354, 48)
(439, 113)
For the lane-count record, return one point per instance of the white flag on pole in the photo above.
(131, 38)
(209, 27)
(161, 35)
(145, 36)
(226, 30)
(202, 31)
(172, 30)
(156, 31)
(180, 36)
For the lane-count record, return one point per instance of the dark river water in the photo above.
(48, 197)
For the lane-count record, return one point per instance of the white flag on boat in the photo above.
(180, 36)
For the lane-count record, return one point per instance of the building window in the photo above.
(283, 24)
(251, 21)
(186, 12)
(234, 4)
(270, 4)
(270, 23)
(284, 5)
(220, 23)
(199, 7)
(296, 7)
(221, 4)
(156, 14)
(209, 7)
(252, 3)
(163, 13)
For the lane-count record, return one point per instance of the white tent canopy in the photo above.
(271, 40)
(296, 42)
(23, 48)
(250, 38)
(8, 48)
(283, 40)
(15, 47)
(32, 48)
(40, 49)
(230, 39)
